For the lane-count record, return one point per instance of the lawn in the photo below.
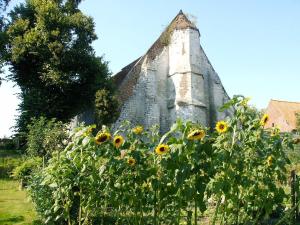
(15, 207)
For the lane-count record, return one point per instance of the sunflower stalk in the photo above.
(217, 210)
(195, 212)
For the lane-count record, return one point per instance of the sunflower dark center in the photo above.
(266, 119)
(103, 138)
(221, 126)
(197, 133)
(162, 149)
(118, 140)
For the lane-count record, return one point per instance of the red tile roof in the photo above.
(283, 115)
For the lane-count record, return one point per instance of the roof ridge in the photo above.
(276, 100)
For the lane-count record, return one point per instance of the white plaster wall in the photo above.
(178, 83)
(185, 79)
(161, 63)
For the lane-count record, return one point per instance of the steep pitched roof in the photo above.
(283, 113)
(128, 76)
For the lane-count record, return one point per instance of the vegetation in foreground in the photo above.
(112, 169)
(15, 207)
(139, 177)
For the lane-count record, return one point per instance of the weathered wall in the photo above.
(179, 83)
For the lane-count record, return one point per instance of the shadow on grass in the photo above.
(13, 219)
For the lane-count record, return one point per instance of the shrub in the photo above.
(106, 107)
(140, 177)
(24, 171)
(7, 144)
(9, 159)
(45, 136)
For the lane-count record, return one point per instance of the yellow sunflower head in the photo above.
(296, 141)
(118, 141)
(131, 161)
(102, 137)
(270, 160)
(275, 131)
(137, 129)
(196, 135)
(221, 127)
(264, 119)
(162, 149)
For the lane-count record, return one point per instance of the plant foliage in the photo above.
(45, 137)
(139, 177)
(47, 45)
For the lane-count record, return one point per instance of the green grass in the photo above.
(15, 207)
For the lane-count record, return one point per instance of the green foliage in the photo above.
(9, 159)
(3, 38)
(45, 136)
(241, 169)
(24, 170)
(250, 164)
(48, 47)
(7, 143)
(107, 107)
(3, 4)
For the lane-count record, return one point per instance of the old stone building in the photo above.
(174, 79)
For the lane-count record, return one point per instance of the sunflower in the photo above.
(264, 119)
(275, 131)
(270, 160)
(131, 161)
(162, 149)
(89, 130)
(102, 137)
(221, 127)
(196, 135)
(118, 141)
(296, 141)
(137, 129)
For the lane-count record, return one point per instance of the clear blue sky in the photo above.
(254, 45)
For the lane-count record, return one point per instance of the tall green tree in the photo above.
(51, 59)
(3, 5)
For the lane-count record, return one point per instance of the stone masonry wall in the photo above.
(178, 83)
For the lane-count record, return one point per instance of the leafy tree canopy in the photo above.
(48, 48)
(3, 5)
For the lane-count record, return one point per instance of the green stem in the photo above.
(258, 214)
(217, 210)
(224, 212)
(155, 199)
(69, 218)
(238, 208)
(179, 212)
(195, 211)
(141, 213)
(79, 214)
